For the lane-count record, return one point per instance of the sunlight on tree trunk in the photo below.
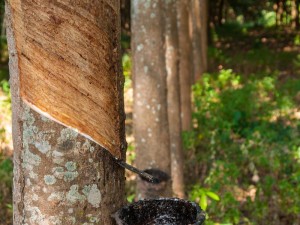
(60, 177)
(172, 60)
(150, 95)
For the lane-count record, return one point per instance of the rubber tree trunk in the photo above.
(199, 37)
(185, 64)
(172, 64)
(204, 31)
(60, 177)
(196, 39)
(150, 117)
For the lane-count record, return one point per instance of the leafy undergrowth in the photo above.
(6, 174)
(6, 165)
(246, 147)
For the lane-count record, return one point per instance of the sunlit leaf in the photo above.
(203, 202)
(213, 195)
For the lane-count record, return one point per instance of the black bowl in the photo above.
(163, 211)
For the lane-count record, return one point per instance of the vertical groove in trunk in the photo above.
(150, 95)
(60, 177)
(173, 85)
(185, 64)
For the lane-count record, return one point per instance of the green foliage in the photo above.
(5, 103)
(3, 50)
(201, 196)
(267, 19)
(6, 176)
(247, 134)
(297, 40)
(126, 63)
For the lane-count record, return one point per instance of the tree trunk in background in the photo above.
(60, 177)
(185, 64)
(280, 12)
(276, 8)
(204, 30)
(196, 39)
(150, 119)
(172, 60)
(199, 37)
(294, 12)
(298, 14)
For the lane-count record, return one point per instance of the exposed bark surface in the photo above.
(150, 95)
(60, 177)
(173, 86)
(185, 64)
(76, 38)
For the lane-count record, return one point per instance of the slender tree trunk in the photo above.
(196, 39)
(297, 14)
(280, 12)
(199, 37)
(172, 64)
(276, 8)
(294, 12)
(204, 30)
(60, 177)
(185, 64)
(150, 117)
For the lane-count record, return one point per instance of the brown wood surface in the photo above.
(69, 64)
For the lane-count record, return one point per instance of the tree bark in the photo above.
(185, 64)
(294, 12)
(199, 37)
(60, 177)
(150, 117)
(196, 39)
(298, 14)
(172, 64)
(204, 31)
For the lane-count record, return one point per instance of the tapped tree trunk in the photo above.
(150, 117)
(172, 60)
(185, 64)
(60, 177)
